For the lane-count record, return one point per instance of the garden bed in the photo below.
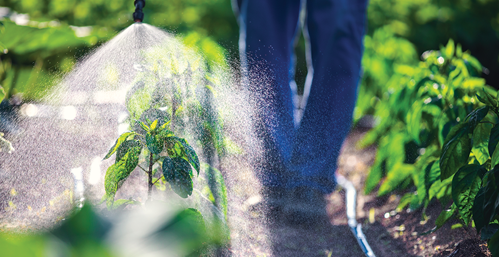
(388, 232)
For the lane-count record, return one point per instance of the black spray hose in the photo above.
(351, 204)
(138, 15)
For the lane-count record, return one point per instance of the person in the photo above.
(301, 150)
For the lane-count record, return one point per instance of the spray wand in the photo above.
(138, 15)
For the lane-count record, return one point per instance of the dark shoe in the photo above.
(305, 206)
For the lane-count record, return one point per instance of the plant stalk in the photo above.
(149, 174)
(172, 123)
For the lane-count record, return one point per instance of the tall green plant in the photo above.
(422, 104)
(170, 103)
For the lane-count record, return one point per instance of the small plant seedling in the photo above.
(152, 135)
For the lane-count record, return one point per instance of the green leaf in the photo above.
(148, 117)
(456, 150)
(489, 231)
(375, 174)
(413, 120)
(404, 201)
(188, 229)
(154, 124)
(395, 177)
(459, 51)
(143, 126)
(494, 158)
(442, 218)
(117, 173)
(486, 98)
(476, 116)
(118, 142)
(480, 142)
(216, 183)
(2, 94)
(493, 139)
(457, 147)
(165, 126)
(449, 49)
(432, 173)
(120, 204)
(178, 173)
(154, 142)
(493, 244)
(178, 147)
(82, 226)
(478, 216)
(192, 157)
(465, 186)
(125, 147)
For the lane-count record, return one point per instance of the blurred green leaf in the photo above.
(217, 186)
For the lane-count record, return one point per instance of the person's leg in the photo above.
(268, 29)
(335, 31)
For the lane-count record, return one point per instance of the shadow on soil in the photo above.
(328, 239)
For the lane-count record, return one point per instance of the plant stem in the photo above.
(149, 173)
(172, 123)
(157, 180)
(142, 169)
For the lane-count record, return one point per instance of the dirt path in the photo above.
(389, 233)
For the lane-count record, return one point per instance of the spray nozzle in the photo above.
(138, 15)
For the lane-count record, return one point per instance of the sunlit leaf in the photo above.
(125, 148)
(117, 173)
(493, 139)
(118, 142)
(456, 150)
(154, 124)
(481, 142)
(395, 177)
(449, 49)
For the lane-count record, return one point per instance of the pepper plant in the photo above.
(438, 141)
(153, 136)
(170, 103)
(469, 157)
(414, 117)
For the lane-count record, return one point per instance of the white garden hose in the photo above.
(351, 204)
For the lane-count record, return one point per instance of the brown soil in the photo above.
(388, 232)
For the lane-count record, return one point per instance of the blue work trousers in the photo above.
(301, 150)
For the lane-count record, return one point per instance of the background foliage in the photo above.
(426, 24)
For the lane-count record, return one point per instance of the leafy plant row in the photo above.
(170, 103)
(437, 140)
